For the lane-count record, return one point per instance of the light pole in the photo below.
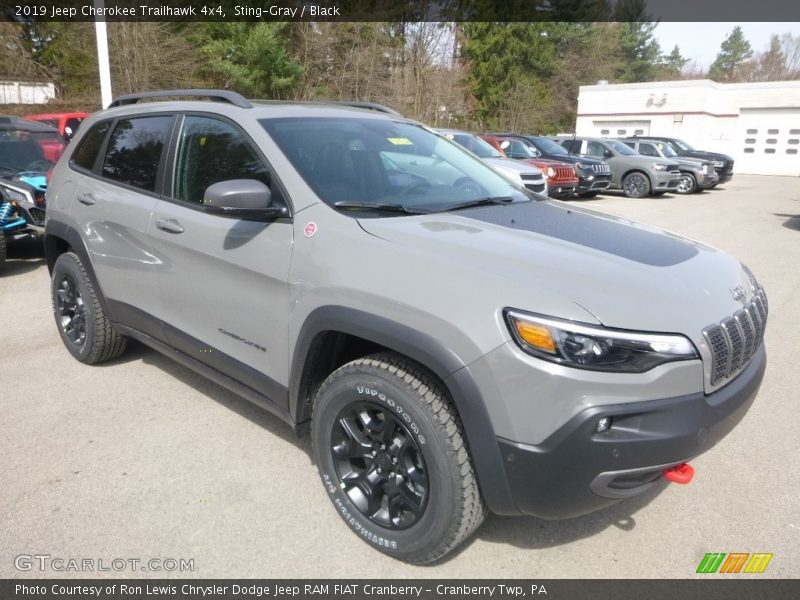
(102, 54)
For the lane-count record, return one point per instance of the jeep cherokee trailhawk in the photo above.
(453, 342)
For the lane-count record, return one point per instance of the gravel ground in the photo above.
(141, 458)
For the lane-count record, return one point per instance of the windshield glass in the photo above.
(474, 144)
(666, 149)
(682, 145)
(548, 146)
(377, 161)
(620, 147)
(23, 150)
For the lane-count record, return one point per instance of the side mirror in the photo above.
(608, 154)
(247, 199)
(68, 133)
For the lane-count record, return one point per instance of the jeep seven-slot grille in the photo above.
(734, 340)
(564, 173)
(601, 168)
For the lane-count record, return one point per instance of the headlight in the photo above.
(595, 347)
(660, 167)
(583, 166)
(17, 195)
(551, 172)
(719, 164)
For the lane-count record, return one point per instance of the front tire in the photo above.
(687, 185)
(392, 456)
(2, 247)
(84, 328)
(636, 185)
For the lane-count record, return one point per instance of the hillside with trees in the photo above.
(478, 75)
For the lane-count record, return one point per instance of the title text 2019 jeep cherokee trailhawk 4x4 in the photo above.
(452, 346)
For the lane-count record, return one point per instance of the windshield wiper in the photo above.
(478, 202)
(383, 207)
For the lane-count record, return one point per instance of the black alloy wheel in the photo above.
(380, 465)
(70, 311)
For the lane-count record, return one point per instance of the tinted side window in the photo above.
(595, 149)
(210, 151)
(86, 153)
(134, 151)
(648, 150)
(572, 146)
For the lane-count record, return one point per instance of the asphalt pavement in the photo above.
(142, 459)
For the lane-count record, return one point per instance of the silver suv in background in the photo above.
(452, 342)
(636, 175)
(528, 175)
(696, 174)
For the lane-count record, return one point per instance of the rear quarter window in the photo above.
(89, 147)
(134, 151)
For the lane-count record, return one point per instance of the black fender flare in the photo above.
(441, 360)
(56, 230)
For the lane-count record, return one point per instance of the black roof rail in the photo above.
(366, 105)
(216, 95)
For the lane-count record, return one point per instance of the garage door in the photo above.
(620, 128)
(769, 141)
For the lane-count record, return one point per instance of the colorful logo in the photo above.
(736, 562)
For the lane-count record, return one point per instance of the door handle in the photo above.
(86, 199)
(169, 225)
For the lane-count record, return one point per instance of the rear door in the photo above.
(223, 282)
(119, 167)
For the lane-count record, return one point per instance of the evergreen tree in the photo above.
(672, 64)
(734, 51)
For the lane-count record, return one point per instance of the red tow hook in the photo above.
(679, 473)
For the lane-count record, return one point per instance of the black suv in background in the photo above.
(723, 163)
(594, 175)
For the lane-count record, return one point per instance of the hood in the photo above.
(709, 156)
(647, 161)
(546, 257)
(575, 158)
(689, 161)
(515, 166)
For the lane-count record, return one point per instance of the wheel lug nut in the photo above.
(394, 460)
(383, 446)
(379, 469)
(374, 453)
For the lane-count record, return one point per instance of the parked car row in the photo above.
(586, 166)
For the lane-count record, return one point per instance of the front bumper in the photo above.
(561, 189)
(665, 181)
(724, 176)
(577, 470)
(593, 183)
(707, 181)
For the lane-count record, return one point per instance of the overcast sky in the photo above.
(701, 41)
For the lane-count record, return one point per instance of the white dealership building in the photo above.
(758, 124)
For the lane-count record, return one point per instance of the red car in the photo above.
(66, 123)
(49, 144)
(561, 178)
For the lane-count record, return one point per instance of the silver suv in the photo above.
(636, 175)
(453, 344)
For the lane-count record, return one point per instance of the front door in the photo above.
(223, 282)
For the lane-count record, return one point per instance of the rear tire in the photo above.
(391, 453)
(2, 247)
(636, 185)
(84, 328)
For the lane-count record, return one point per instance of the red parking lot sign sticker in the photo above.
(311, 229)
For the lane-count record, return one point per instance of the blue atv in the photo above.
(11, 224)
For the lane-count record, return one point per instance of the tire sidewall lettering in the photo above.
(372, 393)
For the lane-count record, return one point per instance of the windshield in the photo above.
(620, 147)
(474, 144)
(666, 149)
(23, 150)
(546, 146)
(682, 145)
(357, 162)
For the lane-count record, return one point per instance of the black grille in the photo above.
(734, 341)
